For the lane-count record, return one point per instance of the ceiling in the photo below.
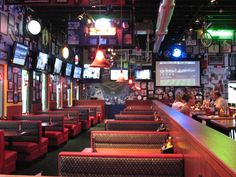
(221, 14)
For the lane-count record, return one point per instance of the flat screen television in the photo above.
(232, 92)
(114, 74)
(91, 73)
(143, 74)
(68, 69)
(177, 73)
(77, 72)
(42, 60)
(57, 66)
(20, 53)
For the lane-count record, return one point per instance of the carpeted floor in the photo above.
(47, 165)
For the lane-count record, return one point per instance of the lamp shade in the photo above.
(100, 61)
(121, 77)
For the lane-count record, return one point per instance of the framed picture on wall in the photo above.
(11, 19)
(215, 60)
(15, 97)
(19, 83)
(9, 73)
(10, 85)
(214, 48)
(10, 96)
(19, 96)
(225, 46)
(3, 24)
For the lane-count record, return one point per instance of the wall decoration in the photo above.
(9, 73)
(3, 55)
(150, 85)
(225, 46)
(20, 96)
(3, 24)
(150, 94)
(10, 85)
(15, 97)
(234, 48)
(10, 96)
(11, 19)
(19, 83)
(215, 60)
(143, 85)
(214, 48)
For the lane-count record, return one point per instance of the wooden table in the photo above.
(10, 134)
(129, 150)
(47, 124)
(226, 126)
(205, 119)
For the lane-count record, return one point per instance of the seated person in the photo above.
(178, 103)
(189, 102)
(220, 102)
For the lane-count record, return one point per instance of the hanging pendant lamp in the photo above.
(100, 61)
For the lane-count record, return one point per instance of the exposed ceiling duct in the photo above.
(165, 13)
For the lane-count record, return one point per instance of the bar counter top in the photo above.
(202, 146)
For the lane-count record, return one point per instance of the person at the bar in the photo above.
(189, 101)
(178, 103)
(220, 102)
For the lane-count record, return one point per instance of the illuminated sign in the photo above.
(104, 32)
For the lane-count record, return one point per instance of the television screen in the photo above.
(68, 69)
(91, 73)
(42, 60)
(143, 74)
(232, 92)
(116, 72)
(57, 66)
(177, 73)
(77, 72)
(19, 54)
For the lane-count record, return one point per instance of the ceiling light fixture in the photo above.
(33, 27)
(100, 61)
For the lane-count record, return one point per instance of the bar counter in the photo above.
(207, 152)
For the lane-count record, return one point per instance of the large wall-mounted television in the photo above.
(114, 74)
(77, 72)
(20, 53)
(177, 73)
(68, 69)
(57, 66)
(143, 74)
(90, 72)
(42, 61)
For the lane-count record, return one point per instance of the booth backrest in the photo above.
(134, 117)
(131, 125)
(136, 112)
(57, 118)
(104, 165)
(138, 102)
(127, 139)
(32, 127)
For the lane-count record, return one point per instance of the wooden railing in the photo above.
(207, 152)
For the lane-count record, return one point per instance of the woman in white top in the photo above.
(178, 103)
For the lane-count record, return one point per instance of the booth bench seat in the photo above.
(127, 139)
(58, 134)
(7, 158)
(85, 164)
(29, 146)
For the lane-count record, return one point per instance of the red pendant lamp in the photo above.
(100, 61)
